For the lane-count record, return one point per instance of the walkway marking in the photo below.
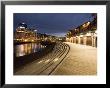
(40, 61)
(67, 46)
(47, 60)
(56, 59)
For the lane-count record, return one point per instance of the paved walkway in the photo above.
(81, 60)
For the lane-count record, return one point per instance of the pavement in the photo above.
(81, 60)
(66, 59)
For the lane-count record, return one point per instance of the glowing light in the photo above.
(47, 61)
(56, 59)
(25, 40)
(20, 31)
(40, 61)
(88, 34)
(32, 40)
(21, 27)
(86, 24)
(35, 30)
(81, 35)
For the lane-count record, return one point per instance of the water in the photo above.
(25, 49)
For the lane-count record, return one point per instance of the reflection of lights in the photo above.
(20, 50)
(21, 47)
(25, 48)
(29, 47)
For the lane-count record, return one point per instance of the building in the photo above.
(46, 37)
(84, 34)
(24, 34)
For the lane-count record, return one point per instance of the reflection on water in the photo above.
(25, 49)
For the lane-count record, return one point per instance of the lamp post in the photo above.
(35, 34)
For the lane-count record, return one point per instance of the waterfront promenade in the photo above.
(81, 60)
(66, 59)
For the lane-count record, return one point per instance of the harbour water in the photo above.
(28, 48)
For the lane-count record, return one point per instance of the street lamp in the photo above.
(35, 34)
(35, 30)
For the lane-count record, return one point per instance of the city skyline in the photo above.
(56, 24)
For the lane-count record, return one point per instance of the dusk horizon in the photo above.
(56, 24)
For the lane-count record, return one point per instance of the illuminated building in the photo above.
(24, 34)
(84, 34)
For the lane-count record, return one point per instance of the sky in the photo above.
(52, 23)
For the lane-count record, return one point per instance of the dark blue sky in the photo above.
(52, 23)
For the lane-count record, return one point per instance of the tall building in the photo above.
(24, 34)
